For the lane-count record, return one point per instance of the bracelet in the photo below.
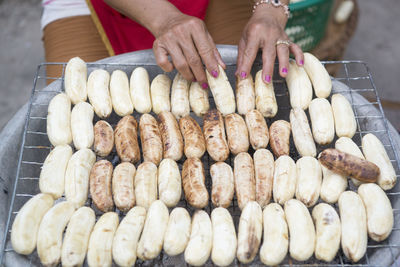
(275, 3)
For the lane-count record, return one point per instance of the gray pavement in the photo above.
(375, 42)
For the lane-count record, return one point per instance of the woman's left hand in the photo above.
(263, 30)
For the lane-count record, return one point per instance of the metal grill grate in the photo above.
(356, 84)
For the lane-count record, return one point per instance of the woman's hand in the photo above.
(182, 37)
(263, 30)
(189, 44)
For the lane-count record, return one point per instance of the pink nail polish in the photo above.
(204, 85)
(267, 78)
(243, 74)
(301, 62)
(284, 70)
(214, 73)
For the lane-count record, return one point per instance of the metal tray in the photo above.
(356, 84)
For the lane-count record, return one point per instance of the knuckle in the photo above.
(194, 22)
(194, 61)
(182, 66)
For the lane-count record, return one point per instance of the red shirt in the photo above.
(122, 35)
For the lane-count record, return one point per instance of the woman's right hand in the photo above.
(189, 44)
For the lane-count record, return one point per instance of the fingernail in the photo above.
(301, 62)
(204, 85)
(284, 70)
(267, 78)
(214, 73)
(243, 74)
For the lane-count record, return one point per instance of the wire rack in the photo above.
(355, 83)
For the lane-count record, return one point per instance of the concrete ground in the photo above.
(375, 42)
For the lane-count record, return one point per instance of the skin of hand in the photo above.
(263, 30)
(184, 38)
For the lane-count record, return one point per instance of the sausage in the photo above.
(198, 249)
(328, 230)
(52, 175)
(258, 129)
(99, 92)
(103, 138)
(26, 224)
(159, 90)
(379, 211)
(193, 178)
(322, 122)
(264, 174)
(279, 133)
(265, 97)
(75, 80)
(76, 238)
(375, 152)
(354, 225)
(178, 232)
(333, 184)
(309, 178)
(50, 234)
(150, 137)
(301, 230)
(285, 176)
(146, 184)
(101, 240)
(195, 144)
(318, 75)
(249, 232)
(245, 95)
(302, 137)
(349, 165)
(222, 184)
(222, 92)
(198, 99)
(140, 90)
(299, 86)
(170, 135)
(347, 145)
(236, 131)
(120, 95)
(245, 184)
(59, 120)
(224, 237)
(126, 141)
(180, 96)
(100, 185)
(77, 176)
(82, 125)
(126, 237)
(345, 122)
(152, 238)
(214, 133)
(169, 182)
(276, 236)
(123, 189)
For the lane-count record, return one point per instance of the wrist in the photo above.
(272, 12)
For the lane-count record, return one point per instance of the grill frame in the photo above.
(369, 116)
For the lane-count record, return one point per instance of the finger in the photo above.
(206, 50)
(180, 62)
(268, 58)
(216, 53)
(283, 57)
(239, 59)
(298, 53)
(249, 54)
(161, 56)
(194, 61)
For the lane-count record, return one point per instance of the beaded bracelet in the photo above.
(275, 3)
